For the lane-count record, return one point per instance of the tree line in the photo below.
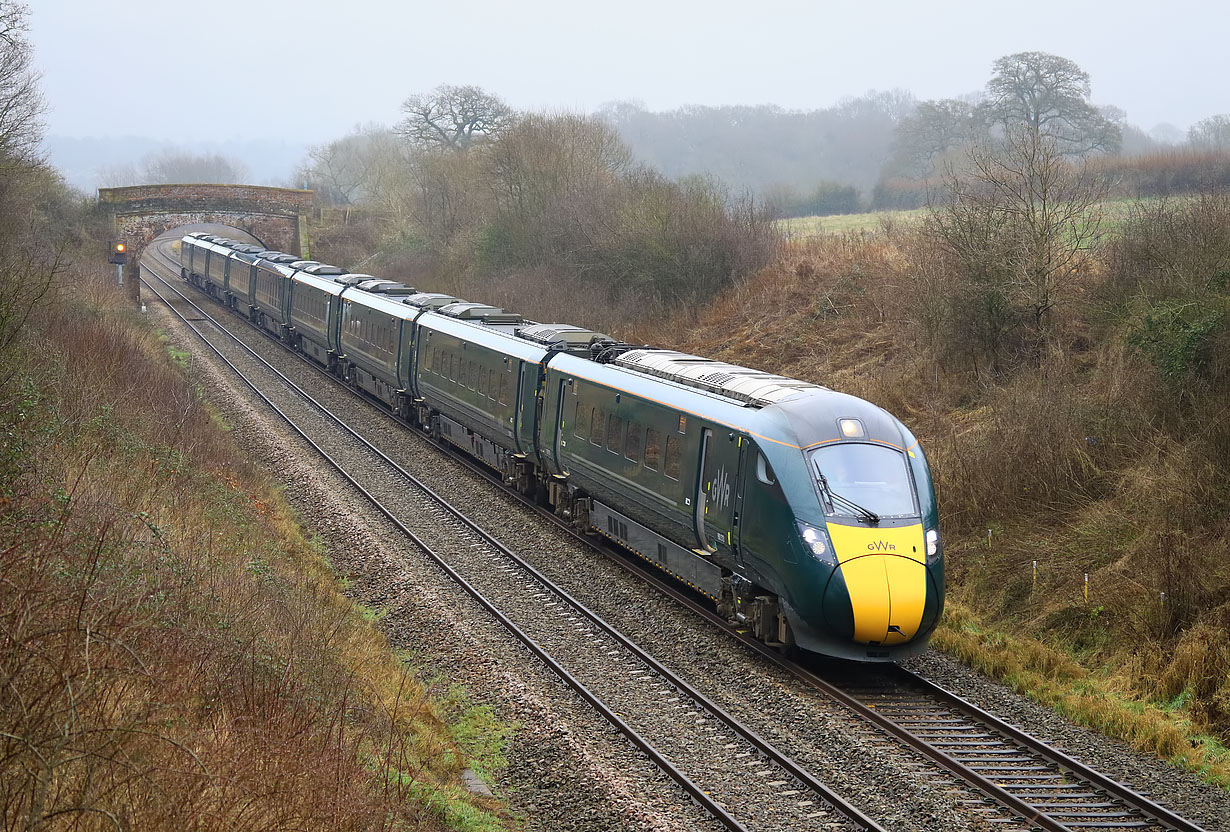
(478, 190)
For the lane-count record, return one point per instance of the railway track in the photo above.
(629, 688)
(985, 750)
(1014, 778)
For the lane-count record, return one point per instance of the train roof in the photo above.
(751, 387)
(380, 286)
(355, 278)
(431, 300)
(479, 312)
(389, 306)
(496, 338)
(314, 267)
(324, 284)
(561, 336)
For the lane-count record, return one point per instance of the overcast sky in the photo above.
(320, 67)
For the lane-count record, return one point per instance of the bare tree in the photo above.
(1018, 228)
(931, 130)
(364, 166)
(453, 117)
(1212, 133)
(1048, 95)
(21, 101)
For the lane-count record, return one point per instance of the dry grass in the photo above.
(175, 653)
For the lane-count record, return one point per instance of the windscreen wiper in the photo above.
(837, 500)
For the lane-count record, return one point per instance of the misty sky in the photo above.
(328, 66)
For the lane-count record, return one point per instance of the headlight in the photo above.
(933, 545)
(815, 542)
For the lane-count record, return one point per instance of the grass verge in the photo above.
(1090, 698)
(176, 653)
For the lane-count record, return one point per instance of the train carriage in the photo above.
(721, 475)
(375, 346)
(239, 272)
(216, 264)
(192, 254)
(314, 316)
(203, 261)
(270, 293)
(483, 383)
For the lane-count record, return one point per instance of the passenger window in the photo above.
(491, 382)
(672, 457)
(596, 423)
(452, 367)
(632, 444)
(580, 421)
(763, 472)
(653, 448)
(482, 382)
(503, 388)
(614, 433)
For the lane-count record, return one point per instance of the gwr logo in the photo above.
(881, 546)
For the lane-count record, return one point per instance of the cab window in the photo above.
(763, 472)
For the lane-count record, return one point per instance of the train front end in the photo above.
(865, 555)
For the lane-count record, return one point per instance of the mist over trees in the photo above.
(473, 195)
(762, 147)
(173, 166)
(886, 149)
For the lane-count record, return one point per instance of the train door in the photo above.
(716, 498)
(526, 402)
(561, 416)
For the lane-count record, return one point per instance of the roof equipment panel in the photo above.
(752, 387)
(480, 312)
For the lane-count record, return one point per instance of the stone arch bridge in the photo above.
(277, 217)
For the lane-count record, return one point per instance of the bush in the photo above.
(1178, 337)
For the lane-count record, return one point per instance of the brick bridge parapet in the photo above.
(275, 216)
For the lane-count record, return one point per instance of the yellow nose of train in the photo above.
(885, 576)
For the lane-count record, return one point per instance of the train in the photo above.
(806, 516)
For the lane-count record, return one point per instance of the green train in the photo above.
(806, 515)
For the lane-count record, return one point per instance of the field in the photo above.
(801, 228)
(1114, 212)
